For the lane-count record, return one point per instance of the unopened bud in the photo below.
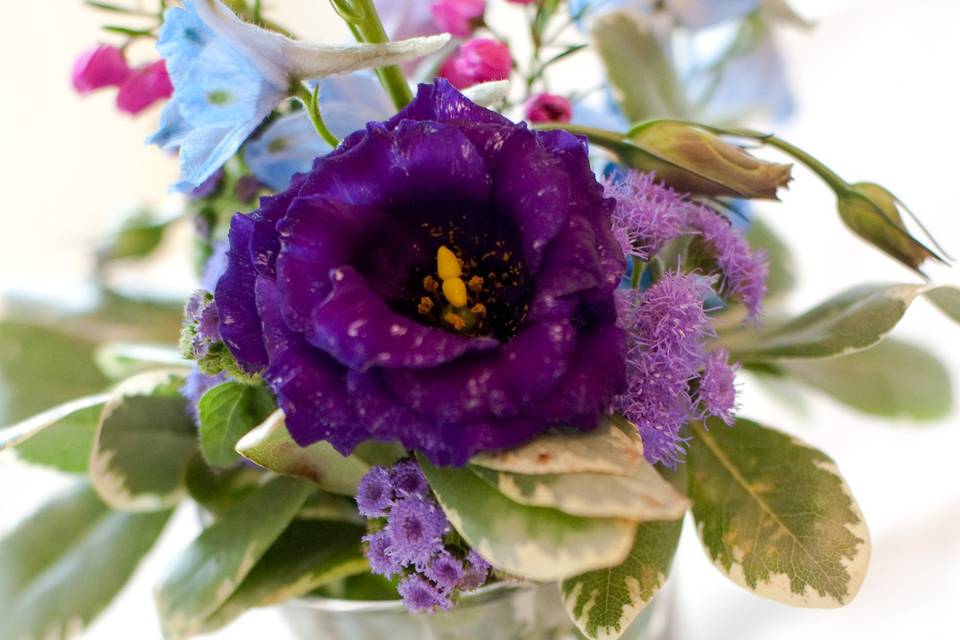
(691, 159)
(873, 213)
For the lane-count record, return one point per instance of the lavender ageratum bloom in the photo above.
(648, 214)
(475, 575)
(408, 479)
(446, 571)
(290, 144)
(668, 325)
(228, 75)
(743, 270)
(332, 290)
(717, 393)
(416, 527)
(379, 555)
(375, 493)
(422, 596)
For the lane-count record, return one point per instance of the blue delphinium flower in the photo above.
(290, 144)
(228, 75)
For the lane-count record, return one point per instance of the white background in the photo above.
(877, 99)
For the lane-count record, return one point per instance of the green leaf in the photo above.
(140, 235)
(327, 506)
(61, 438)
(41, 367)
(307, 556)
(16, 434)
(775, 516)
(612, 448)
(849, 322)
(143, 443)
(643, 496)
(211, 569)
(216, 490)
(227, 413)
(271, 447)
(603, 603)
(641, 74)
(64, 564)
(892, 379)
(531, 542)
(119, 360)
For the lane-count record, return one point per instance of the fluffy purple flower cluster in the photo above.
(410, 542)
(672, 378)
(649, 214)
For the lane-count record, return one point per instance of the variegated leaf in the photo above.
(531, 542)
(144, 440)
(604, 603)
(775, 516)
(643, 496)
(60, 437)
(211, 569)
(63, 565)
(305, 557)
(849, 322)
(271, 447)
(612, 448)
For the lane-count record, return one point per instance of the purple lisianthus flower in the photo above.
(375, 493)
(332, 289)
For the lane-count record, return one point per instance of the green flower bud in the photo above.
(873, 213)
(691, 159)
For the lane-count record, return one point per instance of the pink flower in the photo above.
(478, 60)
(459, 17)
(145, 86)
(101, 66)
(547, 107)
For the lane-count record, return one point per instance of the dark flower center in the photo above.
(495, 286)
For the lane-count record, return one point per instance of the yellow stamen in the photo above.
(430, 284)
(447, 264)
(455, 291)
(455, 321)
(425, 306)
(475, 284)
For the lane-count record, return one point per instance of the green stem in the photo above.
(370, 29)
(311, 105)
(834, 181)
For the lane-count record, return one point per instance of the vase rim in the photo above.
(342, 605)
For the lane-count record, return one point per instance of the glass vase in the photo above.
(497, 612)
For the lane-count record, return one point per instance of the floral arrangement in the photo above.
(460, 326)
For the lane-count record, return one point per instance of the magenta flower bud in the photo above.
(547, 107)
(478, 60)
(145, 86)
(101, 66)
(459, 17)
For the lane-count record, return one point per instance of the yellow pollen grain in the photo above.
(425, 306)
(475, 284)
(455, 291)
(447, 264)
(430, 284)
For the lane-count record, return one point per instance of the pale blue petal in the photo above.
(349, 102)
(288, 146)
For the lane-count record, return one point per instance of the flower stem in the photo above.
(367, 27)
(311, 103)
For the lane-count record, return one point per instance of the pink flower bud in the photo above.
(547, 107)
(101, 66)
(459, 17)
(479, 60)
(145, 86)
